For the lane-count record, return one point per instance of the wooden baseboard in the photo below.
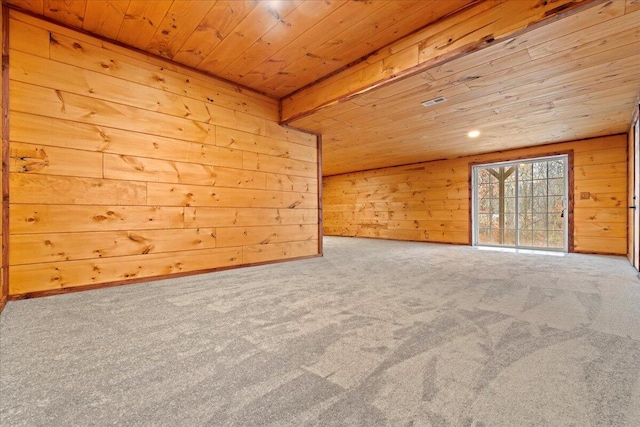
(596, 253)
(52, 292)
(3, 302)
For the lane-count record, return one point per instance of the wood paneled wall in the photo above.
(125, 166)
(632, 172)
(4, 289)
(431, 201)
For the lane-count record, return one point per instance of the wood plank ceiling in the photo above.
(573, 78)
(275, 47)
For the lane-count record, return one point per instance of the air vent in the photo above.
(434, 101)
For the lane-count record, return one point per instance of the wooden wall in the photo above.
(431, 201)
(632, 172)
(125, 166)
(4, 289)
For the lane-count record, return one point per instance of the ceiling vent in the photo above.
(434, 101)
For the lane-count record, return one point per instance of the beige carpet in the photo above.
(376, 333)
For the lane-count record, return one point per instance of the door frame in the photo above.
(634, 202)
(528, 157)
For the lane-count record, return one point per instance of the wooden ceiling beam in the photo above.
(470, 30)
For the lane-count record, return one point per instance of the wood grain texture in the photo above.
(50, 247)
(32, 218)
(68, 134)
(431, 201)
(247, 217)
(632, 5)
(37, 159)
(263, 162)
(4, 162)
(40, 277)
(70, 190)
(67, 12)
(471, 30)
(632, 199)
(29, 39)
(263, 252)
(320, 210)
(51, 102)
(123, 168)
(262, 235)
(275, 48)
(68, 47)
(234, 139)
(197, 195)
(105, 17)
(571, 79)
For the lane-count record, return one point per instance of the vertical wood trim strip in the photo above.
(634, 245)
(320, 246)
(570, 202)
(471, 222)
(5, 157)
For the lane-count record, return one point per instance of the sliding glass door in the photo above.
(521, 204)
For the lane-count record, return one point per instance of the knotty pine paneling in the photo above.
(4, 290)
(571, 79)
(632, 197)
(431, 201)
(50, 247)
(273, 47)
(125, 167)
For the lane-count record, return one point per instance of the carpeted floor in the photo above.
(376, 333)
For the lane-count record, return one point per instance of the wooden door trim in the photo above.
(570, 189)
(4, 292)
(319, 162)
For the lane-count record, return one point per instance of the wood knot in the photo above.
(136, 238)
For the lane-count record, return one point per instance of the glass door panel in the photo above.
(521, 204)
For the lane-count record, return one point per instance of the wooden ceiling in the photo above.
(275, 47)
(572, 79)
(573, 76)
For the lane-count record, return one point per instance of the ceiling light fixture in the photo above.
(434, 101)
(473, 134)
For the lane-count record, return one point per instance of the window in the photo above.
(521, 204)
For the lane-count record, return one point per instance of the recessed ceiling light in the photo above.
(473, 134)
